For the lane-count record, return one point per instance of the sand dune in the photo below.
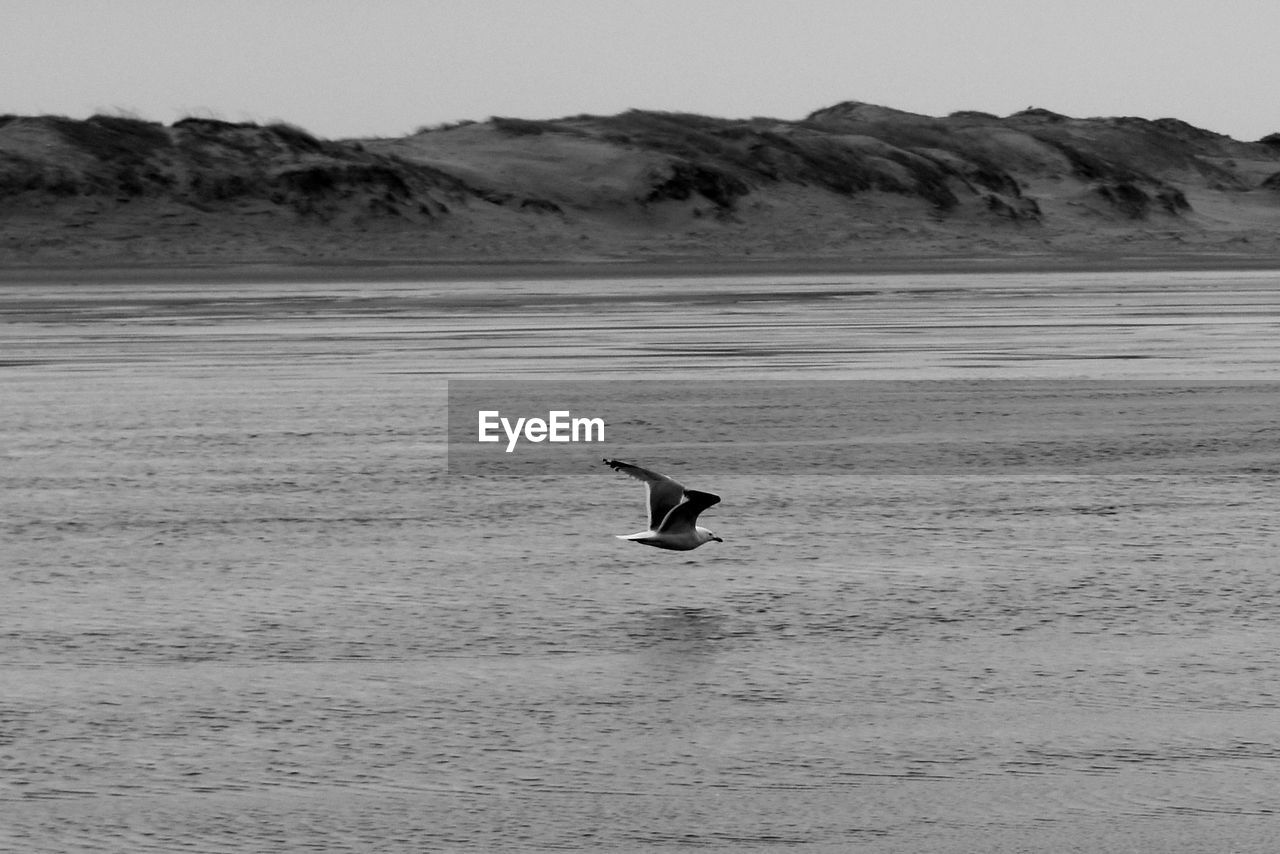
(852, 183)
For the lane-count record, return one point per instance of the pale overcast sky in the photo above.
(345, 68)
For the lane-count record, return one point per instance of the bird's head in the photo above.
(707, 535)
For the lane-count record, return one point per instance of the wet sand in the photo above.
(470, 269)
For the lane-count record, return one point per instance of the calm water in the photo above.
(245, 609)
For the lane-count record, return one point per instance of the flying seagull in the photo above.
(673, 511)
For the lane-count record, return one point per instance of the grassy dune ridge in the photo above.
(852, 182)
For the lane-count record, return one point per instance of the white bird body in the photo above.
(673, 511)
(683, 541)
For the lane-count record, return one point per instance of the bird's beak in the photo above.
(717, 539)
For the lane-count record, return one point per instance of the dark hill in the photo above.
(852, 180)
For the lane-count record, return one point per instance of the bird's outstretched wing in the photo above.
(664, 493)
(684, 516)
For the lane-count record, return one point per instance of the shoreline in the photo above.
(406, 269)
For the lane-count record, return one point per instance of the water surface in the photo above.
(246, 609)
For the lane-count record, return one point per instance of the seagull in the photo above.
(673, 511)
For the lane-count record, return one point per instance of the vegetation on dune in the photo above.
(723, 159)
(524, 127)
(1128, 163)
(688, 180)
(969, 167)
(114, 139)
(122, 154)
(203, 162)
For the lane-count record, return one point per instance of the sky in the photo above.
(362, 68)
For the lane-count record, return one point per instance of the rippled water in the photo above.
(245, 609)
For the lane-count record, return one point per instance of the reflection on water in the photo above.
(690, 626)
(245, 609)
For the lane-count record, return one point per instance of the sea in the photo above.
(251, 600)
